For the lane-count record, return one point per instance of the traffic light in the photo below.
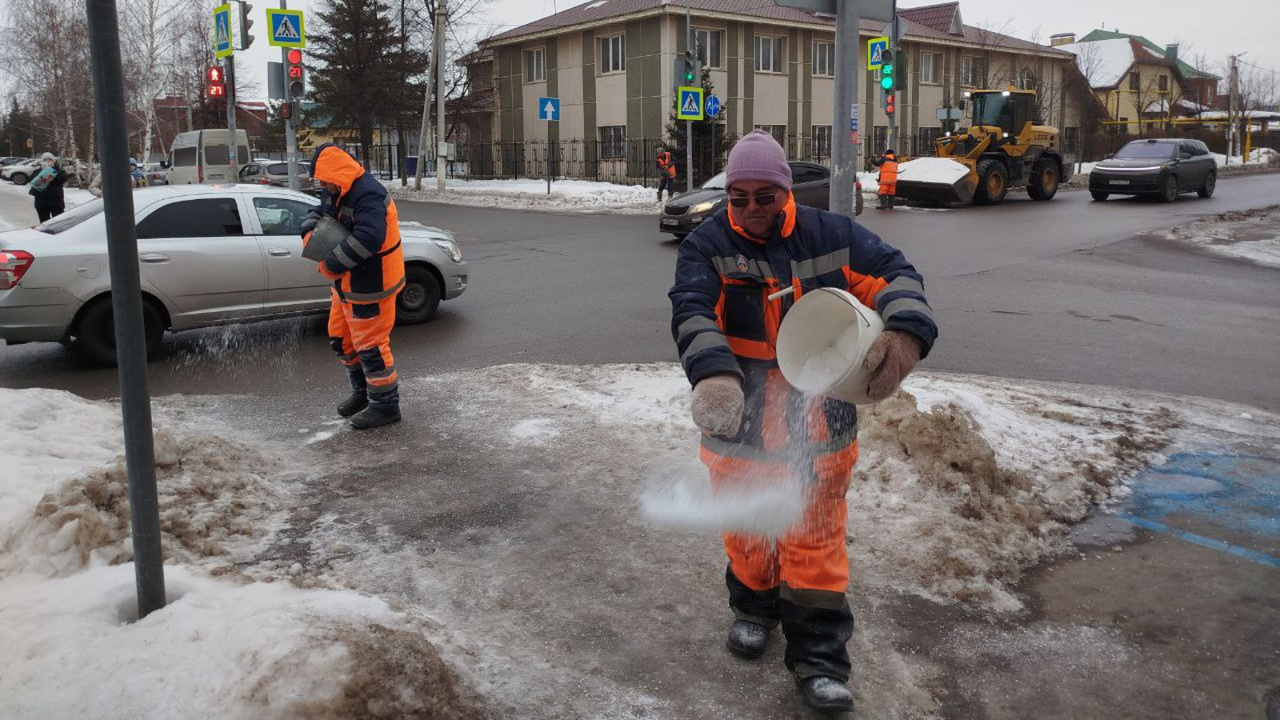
(245, 23)
(216, 82)
(295, 75)
(690, 68)
(887, 78)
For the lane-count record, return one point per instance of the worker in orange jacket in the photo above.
(666, 173)
(367, 270)
(888, 165)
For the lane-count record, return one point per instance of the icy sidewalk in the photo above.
(499, 529)
(17, 207)
(573, 196)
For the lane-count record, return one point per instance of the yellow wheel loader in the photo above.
(1004, 147)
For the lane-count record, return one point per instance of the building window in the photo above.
(927, 136)
(879, 140)
(779, 132)
(1026, 79)
(969, 71)
(1070, 140)
(824, 60)
(535, 65)
(769, 54)
(822, 141)
(930, 68)
(613, 54)
(1164, 83)
(708, 43)
(613, 141)
(1135, 82)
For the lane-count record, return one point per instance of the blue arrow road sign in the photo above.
(713, 106)
(548, 108)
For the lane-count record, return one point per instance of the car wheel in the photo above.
(992, 183)
(1099, 196)
(1210, 184)
(19, 178)
(1169, 190)
(95, 332)
(1044, 179)
(418, 301)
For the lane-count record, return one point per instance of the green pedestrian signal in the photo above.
(886, 70)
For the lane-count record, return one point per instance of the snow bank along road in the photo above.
(496, 565)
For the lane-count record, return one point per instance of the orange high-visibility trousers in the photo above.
(360, 334)
(888, 188)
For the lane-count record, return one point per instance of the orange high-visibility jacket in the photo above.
(666, 164)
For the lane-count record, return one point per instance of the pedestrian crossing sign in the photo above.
(222, 31)
(875, 50)
(690, 105)
(287, 28)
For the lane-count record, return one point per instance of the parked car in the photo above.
(21, 172)
(276, 173)
(1164, 168)
(210, 255)
(810, 183)
(7, 161)
(156, 173)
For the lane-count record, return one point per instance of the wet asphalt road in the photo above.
(1069, 290)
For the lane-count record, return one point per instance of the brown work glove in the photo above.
(717, 404)
(890, 359)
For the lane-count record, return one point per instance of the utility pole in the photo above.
(126, 301)
(893, 43)
(441, 157)
(233, 151)
(1232, 92)
(688, 124)
(844, 156)
(290, 134)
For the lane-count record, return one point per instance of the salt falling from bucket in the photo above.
(766, 510)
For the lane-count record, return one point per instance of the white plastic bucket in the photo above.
(822, 342)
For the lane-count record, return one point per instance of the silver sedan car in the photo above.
(210, 255)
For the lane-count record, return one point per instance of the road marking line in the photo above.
(1220, 546)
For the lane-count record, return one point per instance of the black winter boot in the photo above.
(747, 639)
(359, 399)
(384, 409)
(826, 694)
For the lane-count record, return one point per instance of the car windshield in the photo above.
(715, 183)
(1139, 150)
(71, 218)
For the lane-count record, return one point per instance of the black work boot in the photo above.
(359, 399)
(747, 639)
(384, 409)
(826, 694)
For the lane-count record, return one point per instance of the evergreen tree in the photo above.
(710, 139)
(359, 80)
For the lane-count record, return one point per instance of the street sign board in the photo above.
(690, 105)
(222, 31)
(881, 10)
(549, 109)
(875, 48)
(275, 81)
(713, 106)
(287, 28)
(951, 113)
(853, 119)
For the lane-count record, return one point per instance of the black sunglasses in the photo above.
(764, 200)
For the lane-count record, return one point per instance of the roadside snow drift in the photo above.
(531, 194)
(1249, 235)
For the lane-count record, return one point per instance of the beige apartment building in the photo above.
(611, 63)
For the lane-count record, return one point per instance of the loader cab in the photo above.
(1008, 110)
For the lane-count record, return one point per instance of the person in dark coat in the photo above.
(46, 186)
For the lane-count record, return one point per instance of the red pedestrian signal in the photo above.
(214, 75)
(217, 91)
(890, 103)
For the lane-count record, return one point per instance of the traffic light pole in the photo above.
(893, 117)
(126, 302)
(290, 136)
(688, 124)
(844, 156)
(233, 151)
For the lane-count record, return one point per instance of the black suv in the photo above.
(1160, 167)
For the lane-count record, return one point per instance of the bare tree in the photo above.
(990, 37)
(150, 24)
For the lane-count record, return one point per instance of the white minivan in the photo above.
(202, 156)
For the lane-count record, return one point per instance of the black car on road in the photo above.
(810, 183)
(1164, 167)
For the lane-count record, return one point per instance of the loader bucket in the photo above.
(936, 181)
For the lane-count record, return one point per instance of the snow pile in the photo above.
(931, 170)
(1250, 235)
(870, 182)
(963, 483)
(1257, 156)
(74, 648)
(531, 194)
